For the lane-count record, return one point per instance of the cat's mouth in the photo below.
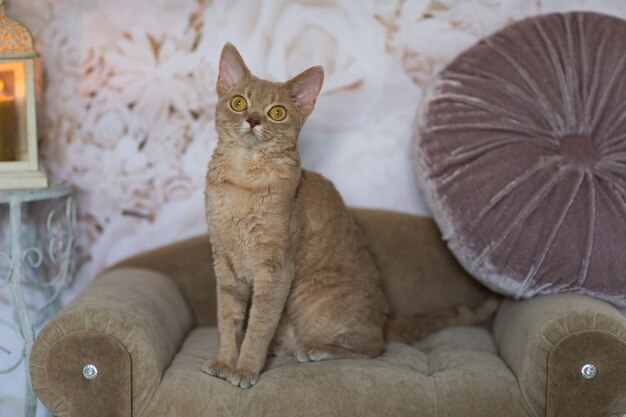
(251, 134)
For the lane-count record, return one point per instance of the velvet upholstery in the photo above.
(572, 395)
(520, 152)
(429, 379)
(64, 362)
(149, 335)
(534, 336)
(138, 310)
(190, 265)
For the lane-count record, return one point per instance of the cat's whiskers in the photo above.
(260, 132)
(244, 128)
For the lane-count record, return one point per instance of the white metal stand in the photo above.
(41, 258)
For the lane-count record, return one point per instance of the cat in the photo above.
(287, 255)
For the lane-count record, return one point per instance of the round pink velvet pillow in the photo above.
(521, 154)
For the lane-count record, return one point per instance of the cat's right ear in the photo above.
(232, 69)
(305, 87)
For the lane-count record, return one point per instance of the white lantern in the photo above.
(19, 160)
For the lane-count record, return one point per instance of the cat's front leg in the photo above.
(270, 293)
(232, 299)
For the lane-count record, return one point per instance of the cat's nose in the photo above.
(253, 120)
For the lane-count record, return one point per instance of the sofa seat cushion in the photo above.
(455, 372)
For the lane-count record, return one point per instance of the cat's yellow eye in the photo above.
(238, 103)
(277, 113)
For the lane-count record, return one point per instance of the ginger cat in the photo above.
(289, 260)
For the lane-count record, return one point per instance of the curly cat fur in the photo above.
(288, 256)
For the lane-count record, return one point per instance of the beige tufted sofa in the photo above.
(148, 324)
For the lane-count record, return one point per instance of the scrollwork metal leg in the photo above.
(17, 293)
(40, 259)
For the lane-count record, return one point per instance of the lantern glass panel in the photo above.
(13, 108)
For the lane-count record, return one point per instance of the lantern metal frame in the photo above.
(17, 53)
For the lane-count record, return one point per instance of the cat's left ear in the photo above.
(305, 88)
(232, 69)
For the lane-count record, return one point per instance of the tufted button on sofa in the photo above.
(134, 342)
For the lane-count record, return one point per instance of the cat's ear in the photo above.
(232, 69)
(305, 88)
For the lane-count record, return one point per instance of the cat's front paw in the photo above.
(243, 378)
(218, 369)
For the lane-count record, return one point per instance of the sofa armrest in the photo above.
(129, 323)
(546, 341)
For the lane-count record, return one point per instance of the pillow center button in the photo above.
(579, 151)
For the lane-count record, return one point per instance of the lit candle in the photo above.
(7, 128)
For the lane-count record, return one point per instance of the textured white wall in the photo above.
(129, 100)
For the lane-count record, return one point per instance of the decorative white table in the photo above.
(36, 258)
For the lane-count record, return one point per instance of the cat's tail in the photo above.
(413, 328)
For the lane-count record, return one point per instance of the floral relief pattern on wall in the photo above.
(128, 98)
